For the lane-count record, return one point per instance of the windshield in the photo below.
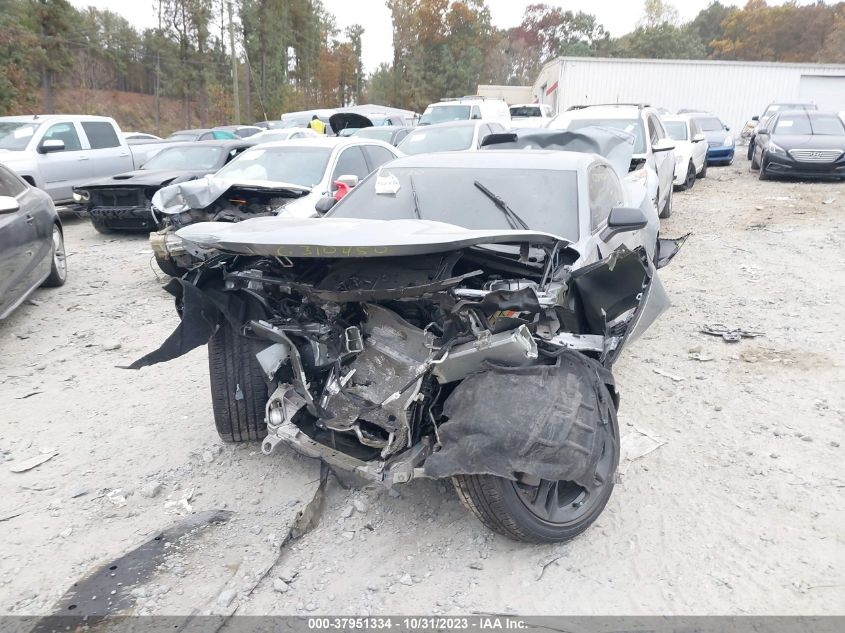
(546, 199)
(710, 124)
(632, 126)
(377, 133)
(677, 130)
(445, 113)
(15, 135)
(302, 166)
(525, 111)
(188, 158)
(827, 125)
(793, 124)
(444, 139)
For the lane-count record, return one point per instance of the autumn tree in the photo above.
(659, 36)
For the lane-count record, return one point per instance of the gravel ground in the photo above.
(737, 509)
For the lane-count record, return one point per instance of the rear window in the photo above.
(438, 139)
(677, 130)
(709, 124)
(100, 134)
(526, 111)
(444, 113)
(187, 158)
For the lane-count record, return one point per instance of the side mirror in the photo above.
(755, 118)
(325, 204)
(8, 204)
(348, 180)
(727, 129)
(698, 138)
(663, 145)
(51, 145)
(762, 132)
(623, 220)
(476, 117)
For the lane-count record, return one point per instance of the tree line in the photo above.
(291, 55)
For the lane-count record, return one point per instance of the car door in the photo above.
(17, 243)
(107, 155)
(350, 162)
(64, 168)
(604, 193)
(699, 147)
(664, 162)
(377, 156)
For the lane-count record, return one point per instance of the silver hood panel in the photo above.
(346, 237)
(200, 193)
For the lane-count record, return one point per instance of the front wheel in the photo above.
(689, 181)
(666, 211)
(238, 391)
(764, 175)
(169, 267)
(58, 263)
(703, 173)
(543, 511)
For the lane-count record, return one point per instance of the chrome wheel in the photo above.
(59, 257)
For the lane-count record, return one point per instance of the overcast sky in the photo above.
(617, 16)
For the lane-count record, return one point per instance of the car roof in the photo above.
(40, 118)
(526, 105)
(677, 118)
(325, 141)
(621, 111)
(236, 127)
(223, 143)
(465, 123)
(199, 130)
(808, 112)
(388, 127)
(502, 159)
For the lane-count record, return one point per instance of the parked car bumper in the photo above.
(777, 165)
(720, 154)
(136, 218)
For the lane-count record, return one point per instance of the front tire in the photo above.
(763, 175)
(100, 227)
(58, 263)
(689, 181)
(550, 511)
(169, 267)
(703, 173)
(666, 211)
(238, 391)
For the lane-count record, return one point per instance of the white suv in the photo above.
(654, 159)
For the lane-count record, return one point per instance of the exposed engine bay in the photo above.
(365, 358)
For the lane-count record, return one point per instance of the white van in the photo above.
(465, 109)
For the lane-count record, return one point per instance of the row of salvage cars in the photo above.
(453, 315)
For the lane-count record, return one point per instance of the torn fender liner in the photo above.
(667, 248)
(541, 420)
(201, 311)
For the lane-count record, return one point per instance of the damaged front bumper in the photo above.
(136, 217)
(168, 246)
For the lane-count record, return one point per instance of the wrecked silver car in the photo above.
(454, 316)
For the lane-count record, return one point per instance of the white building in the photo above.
(735, 91)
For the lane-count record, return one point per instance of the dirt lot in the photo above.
(738, 511)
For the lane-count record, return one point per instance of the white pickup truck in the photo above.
(56, 152)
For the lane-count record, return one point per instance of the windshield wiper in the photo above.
(514, 221)
(414, 196)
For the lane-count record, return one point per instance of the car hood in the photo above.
(145, 178)
(809, 141)
(342, 120)
(198, 194)
(347, 237)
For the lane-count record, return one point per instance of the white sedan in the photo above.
(690, 149)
